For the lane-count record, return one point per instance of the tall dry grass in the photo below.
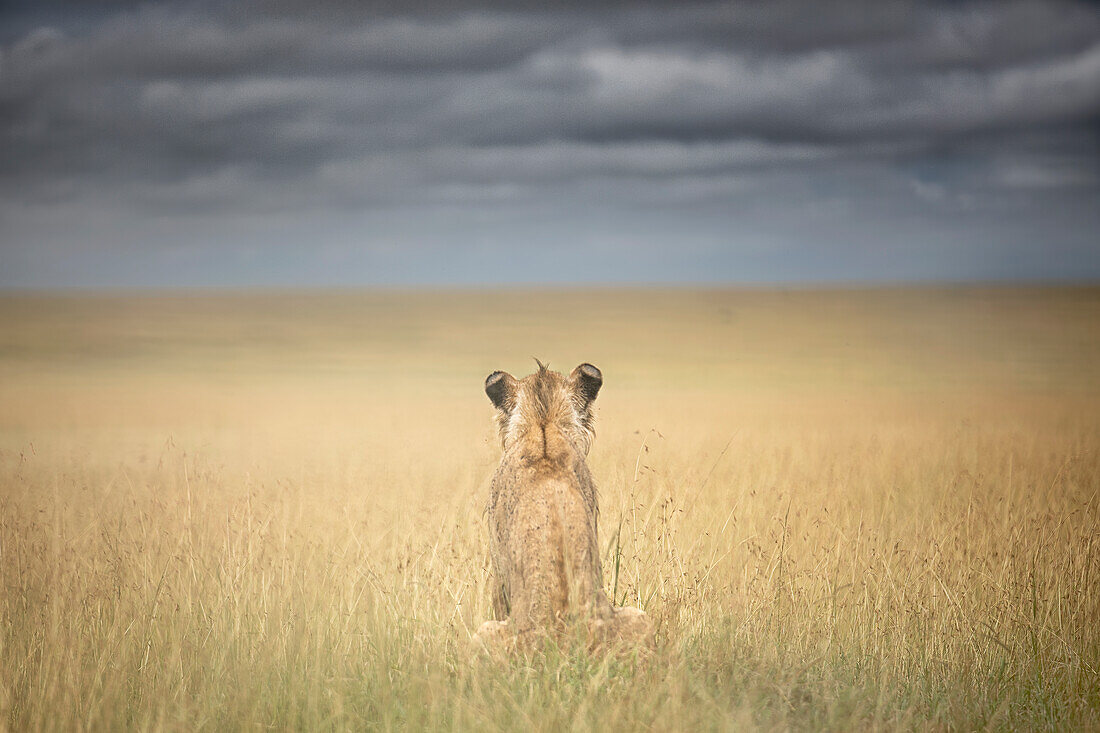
(844, 510)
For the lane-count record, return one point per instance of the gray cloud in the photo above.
(448, 128)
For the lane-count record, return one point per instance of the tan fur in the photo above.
(542, 516)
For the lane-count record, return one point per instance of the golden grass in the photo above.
(866, 509)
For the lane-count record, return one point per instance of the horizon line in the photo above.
(7, 291)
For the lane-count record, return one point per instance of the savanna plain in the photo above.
(844, 509)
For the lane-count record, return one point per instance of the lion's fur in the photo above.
(543, 510)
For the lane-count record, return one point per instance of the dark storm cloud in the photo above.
(168, 125)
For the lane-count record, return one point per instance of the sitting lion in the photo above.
(542, 516)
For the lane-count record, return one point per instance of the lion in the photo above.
(542, 512)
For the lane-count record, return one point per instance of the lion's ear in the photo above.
(587, 380)
(501, 388)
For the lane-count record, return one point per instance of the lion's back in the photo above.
(543, 532)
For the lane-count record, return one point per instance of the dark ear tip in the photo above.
(588, 380)
(499, 386)
(590, 371)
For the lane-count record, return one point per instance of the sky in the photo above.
(269, 143)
